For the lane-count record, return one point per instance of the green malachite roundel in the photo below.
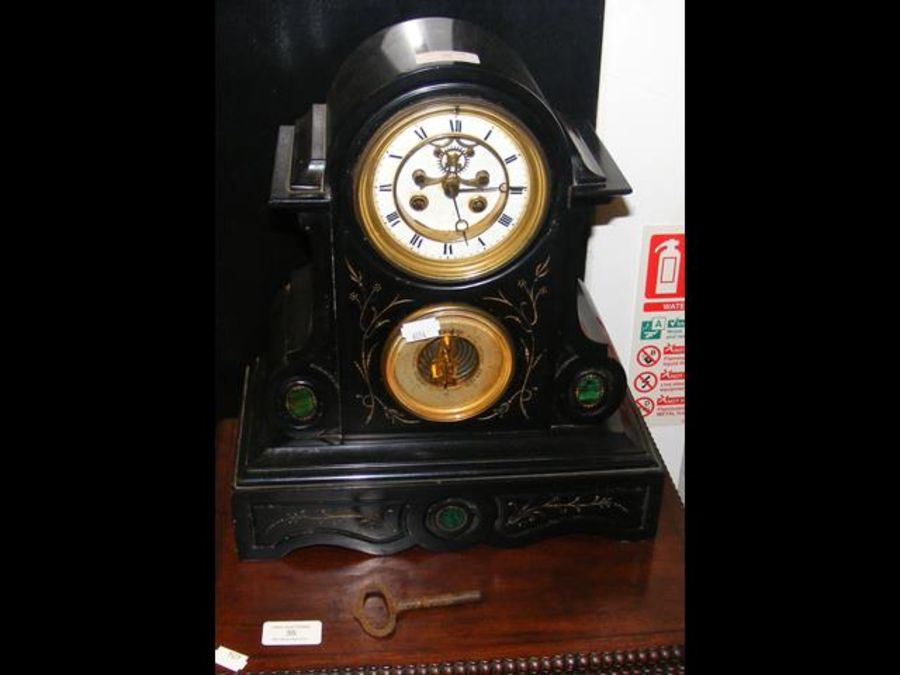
(589, 390)
(300, 401)
(452, 518)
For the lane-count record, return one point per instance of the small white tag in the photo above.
(228, 658)
(447, 55)
(423, 329)
(292, 633)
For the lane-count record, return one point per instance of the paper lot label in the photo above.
(292, 633)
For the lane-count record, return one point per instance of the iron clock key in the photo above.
(394, 607)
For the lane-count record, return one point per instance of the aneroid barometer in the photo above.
(438, 375)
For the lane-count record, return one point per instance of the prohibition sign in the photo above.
(648, 356)
(645, 405)
(645, 381)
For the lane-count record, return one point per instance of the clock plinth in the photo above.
(438, 375)
(381, 494)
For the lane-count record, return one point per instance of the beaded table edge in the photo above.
(646, 661)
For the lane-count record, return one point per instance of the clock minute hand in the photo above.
(456, 206)
(459, 220)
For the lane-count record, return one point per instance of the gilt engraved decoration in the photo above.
(372, 522)
(520, 514)
(524, 315)
(371, 318)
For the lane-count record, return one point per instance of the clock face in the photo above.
(451, 189)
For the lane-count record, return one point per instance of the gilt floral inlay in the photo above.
(535, 512)
(314, 518)
(621, 506)
(274, 524)
(371, 318)
(524, 314)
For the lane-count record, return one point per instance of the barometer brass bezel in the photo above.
(476, 326)
(476, 266)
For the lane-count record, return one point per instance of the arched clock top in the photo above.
(412, 62)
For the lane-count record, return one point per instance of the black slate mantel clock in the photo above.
(437, 375)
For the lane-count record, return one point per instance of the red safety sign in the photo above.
(648, 356)
(665, 267)
(645, 381)
(657, 364)
(645, 405)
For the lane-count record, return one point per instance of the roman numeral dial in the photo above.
(451, 189)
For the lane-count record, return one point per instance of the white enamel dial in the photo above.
(453, 189)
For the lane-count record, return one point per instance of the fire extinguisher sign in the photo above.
(656, 367)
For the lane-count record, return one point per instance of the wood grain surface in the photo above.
(572, 594)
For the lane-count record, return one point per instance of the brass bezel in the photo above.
(475, 266)
(453, 316)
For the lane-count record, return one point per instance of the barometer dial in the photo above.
(453, 374)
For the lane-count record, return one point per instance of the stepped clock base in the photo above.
(273, 521)
(448, 493)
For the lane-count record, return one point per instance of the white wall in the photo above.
(641, 122)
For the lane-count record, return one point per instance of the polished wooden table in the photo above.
(575, 603)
